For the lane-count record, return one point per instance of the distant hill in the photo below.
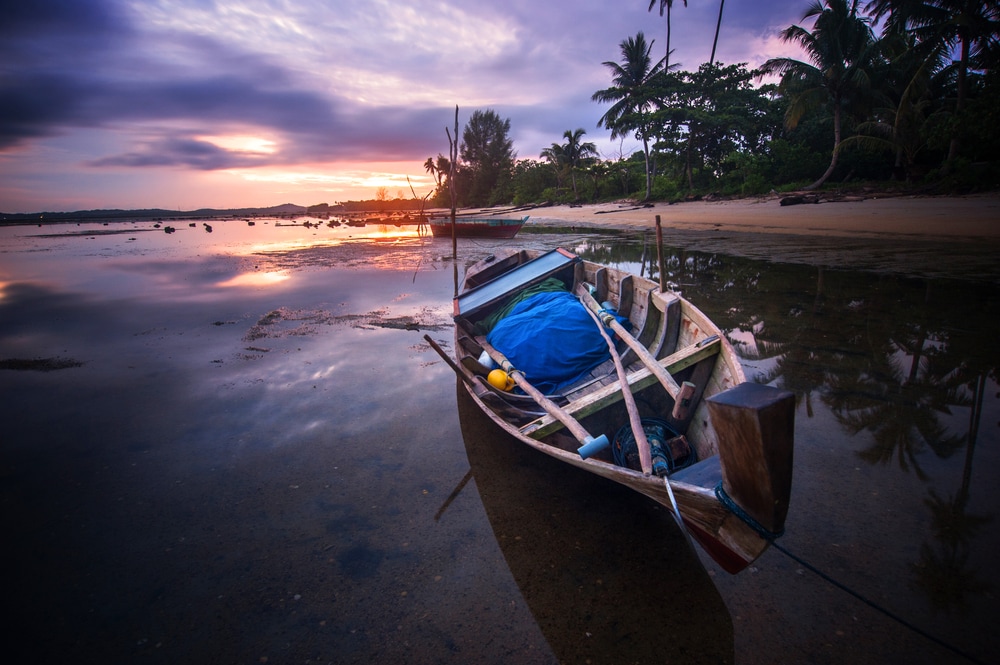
(284, 210)
(153, 213)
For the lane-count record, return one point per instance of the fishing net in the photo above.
(669, 450)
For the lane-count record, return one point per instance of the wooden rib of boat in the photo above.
(733, 499)
(478, 227)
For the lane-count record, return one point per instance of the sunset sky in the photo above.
(185, 104)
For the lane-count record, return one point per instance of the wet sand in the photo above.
(922, 236)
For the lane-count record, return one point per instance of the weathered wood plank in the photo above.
(755, 425)
(625, 289)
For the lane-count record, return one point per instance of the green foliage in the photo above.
(571, 157)
(665, 189)
(531, 180)
(487, 153)
(746, 174)
(792, 162)
(979, 128)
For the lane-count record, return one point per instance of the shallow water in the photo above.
(236, 447)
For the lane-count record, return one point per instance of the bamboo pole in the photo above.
(448, 361)
(645, 455)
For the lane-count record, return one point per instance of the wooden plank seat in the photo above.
(705, 473)
(612, 393)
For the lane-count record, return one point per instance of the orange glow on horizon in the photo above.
(335, 182)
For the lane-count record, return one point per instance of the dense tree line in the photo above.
(894, 90)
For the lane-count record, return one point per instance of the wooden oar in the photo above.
(680, 394)
(588, 444)
(645, 455)
(447, 359)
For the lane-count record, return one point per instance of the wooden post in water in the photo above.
(452, 169)
(755, 425)
(659, 254)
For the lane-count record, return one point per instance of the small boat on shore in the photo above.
(477, 227)
(545, 342)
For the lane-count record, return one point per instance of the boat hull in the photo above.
(691, 348)
(478, 228)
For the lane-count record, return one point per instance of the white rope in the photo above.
(677, 513)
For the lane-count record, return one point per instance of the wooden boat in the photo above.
(477, 227)
(686, 386)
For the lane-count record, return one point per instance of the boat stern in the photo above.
(755, 425)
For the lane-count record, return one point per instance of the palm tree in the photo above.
(668, 5)
(971, 26)
(570, 156)
(554, 154)
(899, 123)
(632, 95)
(896, 12)
(577, 154)
(718, 26)
(842, 48)
(438, 168)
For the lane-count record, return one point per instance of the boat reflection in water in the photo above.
(606, 573)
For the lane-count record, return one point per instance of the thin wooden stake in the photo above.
(659, 254)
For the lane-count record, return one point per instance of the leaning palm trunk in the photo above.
(836, 147)
(688, 167)
(959, 103)
(666, 58)
(649, 171)
(718, 27)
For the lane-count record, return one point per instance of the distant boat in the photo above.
(478, 227)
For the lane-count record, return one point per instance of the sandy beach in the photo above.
(922, 236)
(952, 218)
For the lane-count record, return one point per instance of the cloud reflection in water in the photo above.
(255, 279)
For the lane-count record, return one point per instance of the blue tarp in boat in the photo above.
(551, 338)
